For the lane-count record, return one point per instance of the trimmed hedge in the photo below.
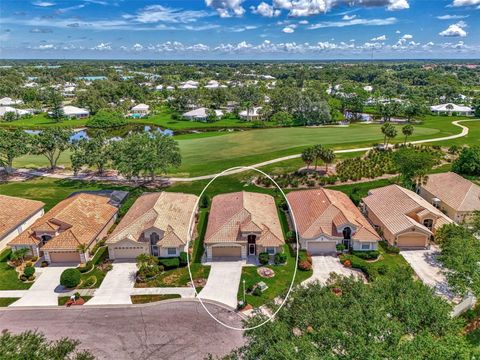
(169, 263)
(183, 259)
(70, 278)
(366, 255)
(100, 256)
(280, 258)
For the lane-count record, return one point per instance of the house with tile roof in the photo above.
(159, 224)
(404, 218)
(66, 232)
(452, 194)
(326, 218)
(243, 224)
(16, 215)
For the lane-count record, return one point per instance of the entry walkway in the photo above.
(323, 266)
(223, 281)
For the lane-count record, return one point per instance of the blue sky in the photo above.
(240, 29)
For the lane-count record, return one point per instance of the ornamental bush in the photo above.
(263, 258)
(70, 278)
(169, 263)
(304, 265)
(366, 255)
(29, 271)
(280, 258)
(183, 259)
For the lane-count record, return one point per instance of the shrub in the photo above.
(366, 255)
(304, 265)
(280, 258)
(5, 255)
(390, 249)
(44, 264)
(70, 278)
(291, 236)
(340, 247)
(29, 271)
(205, 202)
(77, 295)
(106, 118)
(100, 256)
(169, 263)
(263, 258)
(28, 264)
(257, 291)
(183, 259)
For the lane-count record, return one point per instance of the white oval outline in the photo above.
(270, 318)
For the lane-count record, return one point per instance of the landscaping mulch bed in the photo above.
(265, 272)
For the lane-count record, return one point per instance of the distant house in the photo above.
(60, 235)
(200, 114)
(18, 112)
(159, 224)
(452, 194)
(327, 218)
(368, 88)
(241, 224)
(140, 110)
(404, 218)
(190, 84)
(251, 114)
(73, 112)
(16, 215)
(450, 109)
(7, 101)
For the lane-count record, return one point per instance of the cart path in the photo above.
(236, 170)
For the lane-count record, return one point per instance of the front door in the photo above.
(251, 249)
(155, 250)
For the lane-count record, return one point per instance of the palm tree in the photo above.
(407, 130)
(82, 248)
(317, 153)
(327, 156)
(389, 132)
(19, 254)
(308, 156)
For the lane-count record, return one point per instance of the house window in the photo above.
(271, 250)
(428, 223)
(365, 246)
(172, 251)
(154, 238)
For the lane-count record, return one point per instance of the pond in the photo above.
(113, 133)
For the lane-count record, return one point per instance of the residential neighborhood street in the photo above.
(169, 330)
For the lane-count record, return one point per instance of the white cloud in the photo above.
(314, 7)
(102, 47)
(227, 8)
(454, 30)
(407, 37)
(159, 13)
(353, 22)
(137, 47)
(46, 47)
(379, 38)
(43, 3)
(265, 9)
(288, 30)
(451, 17)
(398, 32)
(458, 3)
(303, 22)
(348, 17)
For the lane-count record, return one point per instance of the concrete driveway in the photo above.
(117, 285)
(323, 266)
(166, 330)
(45, 290)
(223, 281)
(428, 269)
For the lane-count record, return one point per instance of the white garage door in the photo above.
(321, 247)
(126, 252)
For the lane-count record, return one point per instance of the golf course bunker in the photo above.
(227, 257)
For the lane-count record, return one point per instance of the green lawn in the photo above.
(277, 285)
(4, 302)
(145, 299)
(9, 277)
(40, 121)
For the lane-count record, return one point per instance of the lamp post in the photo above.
(244, 291)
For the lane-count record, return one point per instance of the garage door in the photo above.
(227, 252)
(412, 241)
(127, 252)
(321, 247)
(64, 257)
